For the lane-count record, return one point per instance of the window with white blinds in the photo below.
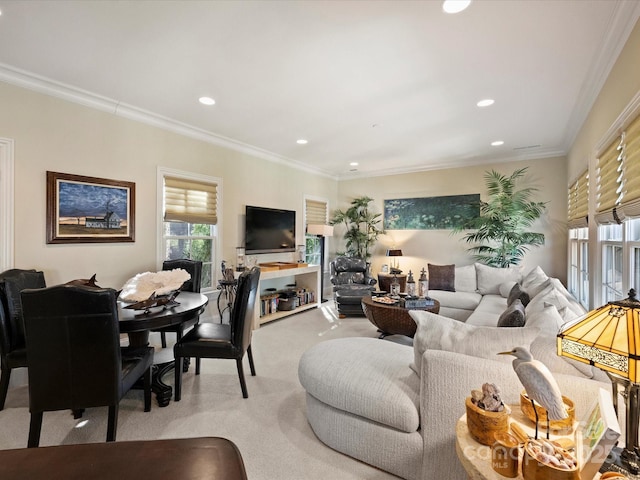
(315, 212)
(190, 201)
(578, 202)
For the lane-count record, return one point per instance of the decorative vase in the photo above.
(532, 469)
(483, 425)
(563, 425)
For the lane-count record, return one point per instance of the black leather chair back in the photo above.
(73, 347)
(12, 282)
(193, 267)
(243, 308)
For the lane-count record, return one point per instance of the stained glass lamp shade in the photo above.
(609, 338)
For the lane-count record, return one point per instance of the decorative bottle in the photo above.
(423, 284)
(411, 285)
(394, 287)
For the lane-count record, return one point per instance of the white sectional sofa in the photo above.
(481, 292)
(396, 406)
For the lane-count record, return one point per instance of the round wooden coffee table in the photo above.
(392, 319)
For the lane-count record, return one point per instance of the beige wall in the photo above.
(53, 134)
(620, 87)
(440, 246)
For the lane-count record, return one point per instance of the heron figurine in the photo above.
(539, 384)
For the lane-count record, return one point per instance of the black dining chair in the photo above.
(194, 268)
(13, 350)
(214, 340)
(75, 358)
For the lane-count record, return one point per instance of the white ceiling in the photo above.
(392, 85)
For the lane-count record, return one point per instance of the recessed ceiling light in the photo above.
(207, 101)
(486, 102)
(302, 141)
(354, 164)
(497, 143)
(455, 6)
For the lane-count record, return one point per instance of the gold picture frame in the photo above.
(84, 209)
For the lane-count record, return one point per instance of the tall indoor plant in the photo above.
(362, 227)
(501, 232)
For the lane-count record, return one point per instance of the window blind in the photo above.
(315, 212)
(578, 202)
(630, 203)
(609, 183)
(190, 201)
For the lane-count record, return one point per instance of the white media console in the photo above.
(307, 277)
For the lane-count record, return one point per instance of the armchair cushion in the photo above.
(350, 270)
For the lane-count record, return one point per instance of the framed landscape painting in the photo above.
(430, 213)
(89, 210)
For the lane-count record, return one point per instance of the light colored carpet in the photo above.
(269, 428)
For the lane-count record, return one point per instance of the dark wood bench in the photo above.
(187, 459)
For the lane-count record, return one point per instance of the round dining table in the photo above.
(137, 324)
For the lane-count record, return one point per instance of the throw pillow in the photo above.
(553, 297)
(490, 278)
(517, 292)
(436, 332)
(513, 316)
(534, 281)
(547, 320)
(442, 277)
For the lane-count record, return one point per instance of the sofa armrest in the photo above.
(447, 378)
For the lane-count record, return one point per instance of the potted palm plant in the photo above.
(501, 232)
(362, 227)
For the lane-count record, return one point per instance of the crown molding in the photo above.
(621, 24)
(30, 81)
(476, 161)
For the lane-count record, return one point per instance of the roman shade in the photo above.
(315, 212)
(190, 201)
(578, 201)
(618, 182)
(609, 183)
(630, 203)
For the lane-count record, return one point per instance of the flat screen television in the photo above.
(269, 230)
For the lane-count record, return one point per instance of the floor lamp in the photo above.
(321, 231)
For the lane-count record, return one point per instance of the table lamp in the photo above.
(395, 252)
(321, 231)
(609, 338)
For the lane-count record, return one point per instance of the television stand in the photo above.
(303, 275)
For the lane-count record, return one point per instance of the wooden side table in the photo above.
(385, 279)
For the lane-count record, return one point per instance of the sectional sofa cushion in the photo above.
(462, 300)
(435, 332)
(490, 278)
(344, 374)
(488, 311)
(466, 279)
(442, 277)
